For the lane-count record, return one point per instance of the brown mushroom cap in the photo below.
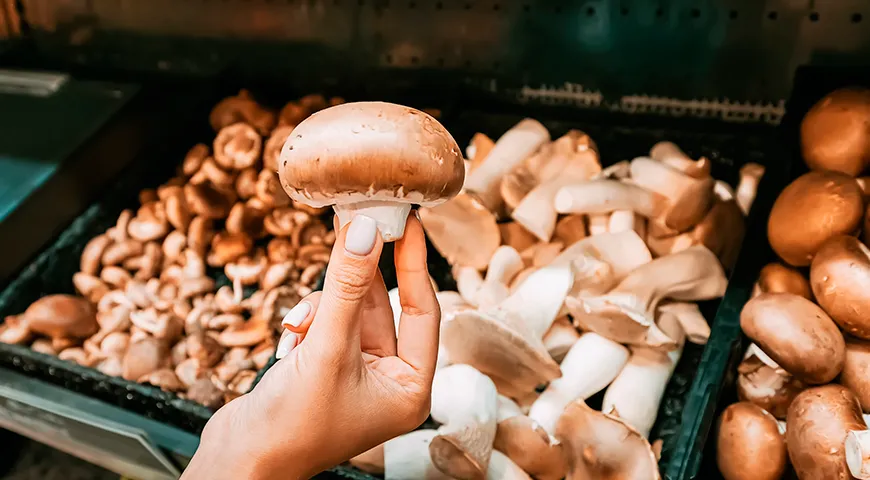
(772, 389)
(796, 334)
(778, 278)
(856, 370)
(62, 316)
(835, 133)
(840, 277)
(749, 445)
(812, 209)
(599, 445)
(375, 150)
(818, 421)
(529, 446)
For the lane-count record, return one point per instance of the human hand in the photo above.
(346, 383)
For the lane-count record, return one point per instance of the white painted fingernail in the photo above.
(361, 235)
(286, 344)
(297, 314)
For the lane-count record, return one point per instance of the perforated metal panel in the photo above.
(593, 52)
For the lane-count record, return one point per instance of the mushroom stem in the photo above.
(407, 456)
(504, 265)
(605, 196)
(598, 224)
(691, 320)
(390, 216)
(637, 391)
(503, 468)
(560, 337)
(538, 300)
(750, 177)
(673, 156)
(858, 453)
(465, 401)
(590, 365)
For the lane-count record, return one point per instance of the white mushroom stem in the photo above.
(689, 198)
(468, 282)
(507, 408)
(465, 402)
(407, 456)
(538, 300)
(560, 337)
(590, 365)
(598, 223)
(750, 177)
(670, 154)
(390, 216)
(621, 221)
(691, 320)
(637, 391)
(858, 453)
(503, 468)
(606, 196)
(536, 212)
(504, 265)
(510, 150)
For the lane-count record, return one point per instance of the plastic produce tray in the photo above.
(618, 136)
(810, 85)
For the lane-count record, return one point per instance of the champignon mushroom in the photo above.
(465, 402)
(809, 211)
(778, 278)
(834, 132)
(819, 420)
(749, 445)
(606, 196)
(856, 371)
(771, 388)
(589, 366)
(451, 225)
(373, 159)
(61, 316)
(205, 392)
(797, 334)
(599, 445)
(840, 278)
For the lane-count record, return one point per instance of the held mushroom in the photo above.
(796, 334)
(374, 159)
(749, 445)
(809, 211)
(465, 402)
(834, 132)
(840, 278)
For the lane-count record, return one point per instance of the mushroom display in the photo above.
(374, 159)
(148, 309)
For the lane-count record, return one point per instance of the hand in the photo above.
(349, 384)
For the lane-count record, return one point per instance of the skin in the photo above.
(350, 384)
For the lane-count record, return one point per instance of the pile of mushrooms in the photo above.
(572, 280)
(150, 309)
(804, 384)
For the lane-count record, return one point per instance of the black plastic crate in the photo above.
(810, 85)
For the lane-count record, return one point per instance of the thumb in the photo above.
(352, 268)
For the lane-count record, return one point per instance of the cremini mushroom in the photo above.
(511, 149)
(375, 159)
(237, 146)
(246, 334)
(749, 445)
(599, 223)
(92, 254)
(796, 334)
(205, 392)
(673, 156)
(61, 316)
(818, 423)
(834, 132)
(600, 445)
(809, 211)
(504, 342)
(241, 108)
(771, 388)
(164, 379)
(688, 198)
(465, 402)
(747, 188)
(778, 278)
(856, 371)
(449, 227)
(840, 278)
(590, 365)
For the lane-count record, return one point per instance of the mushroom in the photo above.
(796, 334)
(143, 357)
(92, 254)
(237, 147)
(570, 229)
(834, 132)
(528, 445)
(599, 445)
(771, 388)
(241, 108)
(405, 457)
(747, 188)
(636, 393)
(374, 159)
(671, 155)
(246, 334)
(511, 149)
(61, 316)
(856, 370)
(274, 145)
(504, 265)
(840, 278)
(749, 445)
(809, 211)
(451, 225)
(504, 342)
(606, 196)
(819, 420)
(15, 330)
(778, 278)
(560, 337)
(589, 366)
(514, 235)
(626, 313)
(205, 392)
(689, 198)
(464, 401)
(691, 320)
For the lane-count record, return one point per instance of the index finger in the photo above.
(421, 314)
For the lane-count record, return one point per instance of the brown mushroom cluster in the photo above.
(150, 309)
(572, 279)
(804, 383)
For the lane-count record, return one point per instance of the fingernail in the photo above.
(286, 344)
(361, 235)
(297, 314)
